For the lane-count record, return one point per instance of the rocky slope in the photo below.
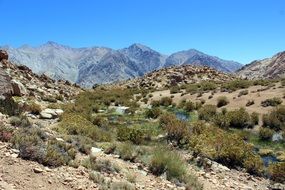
(171, 76)
(267, 68)
(22, 82)
(96, 65)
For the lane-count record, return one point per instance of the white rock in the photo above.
(58, 111)
(95, 151)
(59, 139)
(44, 115)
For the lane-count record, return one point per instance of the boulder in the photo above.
(18, 88)
(44, 115)
(50, 113)
(3, 55)
(38, 170)
(95, 151)
(5, 84)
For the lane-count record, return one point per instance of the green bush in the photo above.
(165, 101)
(58, 153)
(222, 101)
(192, 88)
(271, 102)
(127, 151)
(166, 118)
(221, 120)
(254, 118)
(153, 113)
(103, 165)
(75, 124)
(187, 105)
(207, 112)
(177, 131)
(97, 177)
(28, 137)
(224, 147)
(277, 172)
(15, 121)
(192, 183)
(155, 103)
(133, 134)
(101, 97)
(239, 118)
(207, 86)
(261, 82)
(275, 119)
(265, 134)
(164, 161)
(253, 164)
(82, 143)
(235, 85)
(100, 121)
(9, 106)
(34, 145)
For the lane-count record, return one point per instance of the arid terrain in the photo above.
(56, 135)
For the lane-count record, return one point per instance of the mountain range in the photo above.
(101, 65)
(273, 67)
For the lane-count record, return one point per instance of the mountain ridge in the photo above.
(99, 65)
(273, 67)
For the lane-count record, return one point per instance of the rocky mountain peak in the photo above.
(139, 47)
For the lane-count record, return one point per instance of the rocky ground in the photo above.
(16, 173)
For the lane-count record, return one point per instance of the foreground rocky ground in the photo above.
(16, 173)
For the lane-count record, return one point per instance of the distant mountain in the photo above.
(97, 65)
(267, 68)
(194, 57)
(123, 64)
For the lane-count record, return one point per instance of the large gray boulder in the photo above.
(50, 113)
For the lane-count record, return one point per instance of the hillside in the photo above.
(97, 65)
(177, 75)
(267, 68)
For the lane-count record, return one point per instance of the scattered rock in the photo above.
(38, 170)
(44, 115)
(95, 151)
(50, 113)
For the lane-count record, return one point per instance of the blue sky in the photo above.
(241, 30)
